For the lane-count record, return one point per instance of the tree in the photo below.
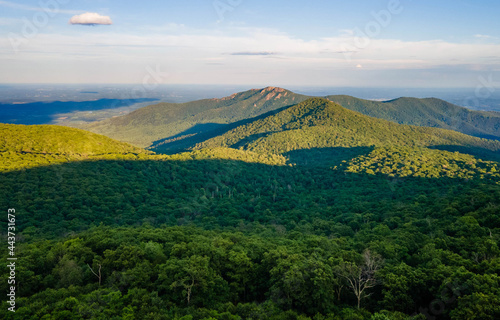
(403, 288)
(69, 272)
(194, 272)
(360, 278)
(98, 275)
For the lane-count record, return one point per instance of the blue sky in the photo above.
(357, 43)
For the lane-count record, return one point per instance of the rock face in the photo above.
(267, 93)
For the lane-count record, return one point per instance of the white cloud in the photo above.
(346, 33)
(483, 36)
(168, 27)
(253, 53)
(90, 19)
(122, 57)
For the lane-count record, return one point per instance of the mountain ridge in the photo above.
(428, 112)
(320, 123)
(170, 127)
(144, 126)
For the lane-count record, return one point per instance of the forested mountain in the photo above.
(429, 112)
(166, 122)
(170, 127)
(320, 123)
(35, 145)
(312, 211)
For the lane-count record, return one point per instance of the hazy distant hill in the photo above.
(55, 112)
(429, 112)
(172, 122)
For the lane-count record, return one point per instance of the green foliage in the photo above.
(261, 232)
(422, 162)
(319, 123)
(177, 272)
(24, 147)
(299, 223)
(169, 126)
(171, 121)
(429, 112)
(45, 139)
(229, 154)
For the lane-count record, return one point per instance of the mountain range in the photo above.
(320, 123)
(168, 122)
(170, 128)
(429, 112)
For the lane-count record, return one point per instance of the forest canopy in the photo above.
(314, 212)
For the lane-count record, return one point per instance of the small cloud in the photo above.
(345, 51)
(483, 36)
(346, 33)
(263, 53)
(90, 19)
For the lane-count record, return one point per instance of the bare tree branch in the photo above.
(360, 278)
(97, 275)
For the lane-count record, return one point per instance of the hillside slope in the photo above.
(30, 146)
(172, 127)
(23, 146)
(165, 122)
(319, 123)
(428, 112)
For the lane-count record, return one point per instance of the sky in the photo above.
(356, 43)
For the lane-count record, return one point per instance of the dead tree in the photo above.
(360, 278)
(97, 275)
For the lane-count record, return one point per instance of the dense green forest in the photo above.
(296, 230)
(166, 122)
(171, 127)
(319, 123)
(312, 212)
(24, 147)
(429, 112)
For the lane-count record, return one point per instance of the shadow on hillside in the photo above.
(201, 132)
(60, 199)
(484, 136)
(45, 112)
(189, 138)
(326, 156)
(197, 129)
(480, 153)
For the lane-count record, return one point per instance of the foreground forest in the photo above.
(313, 212)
